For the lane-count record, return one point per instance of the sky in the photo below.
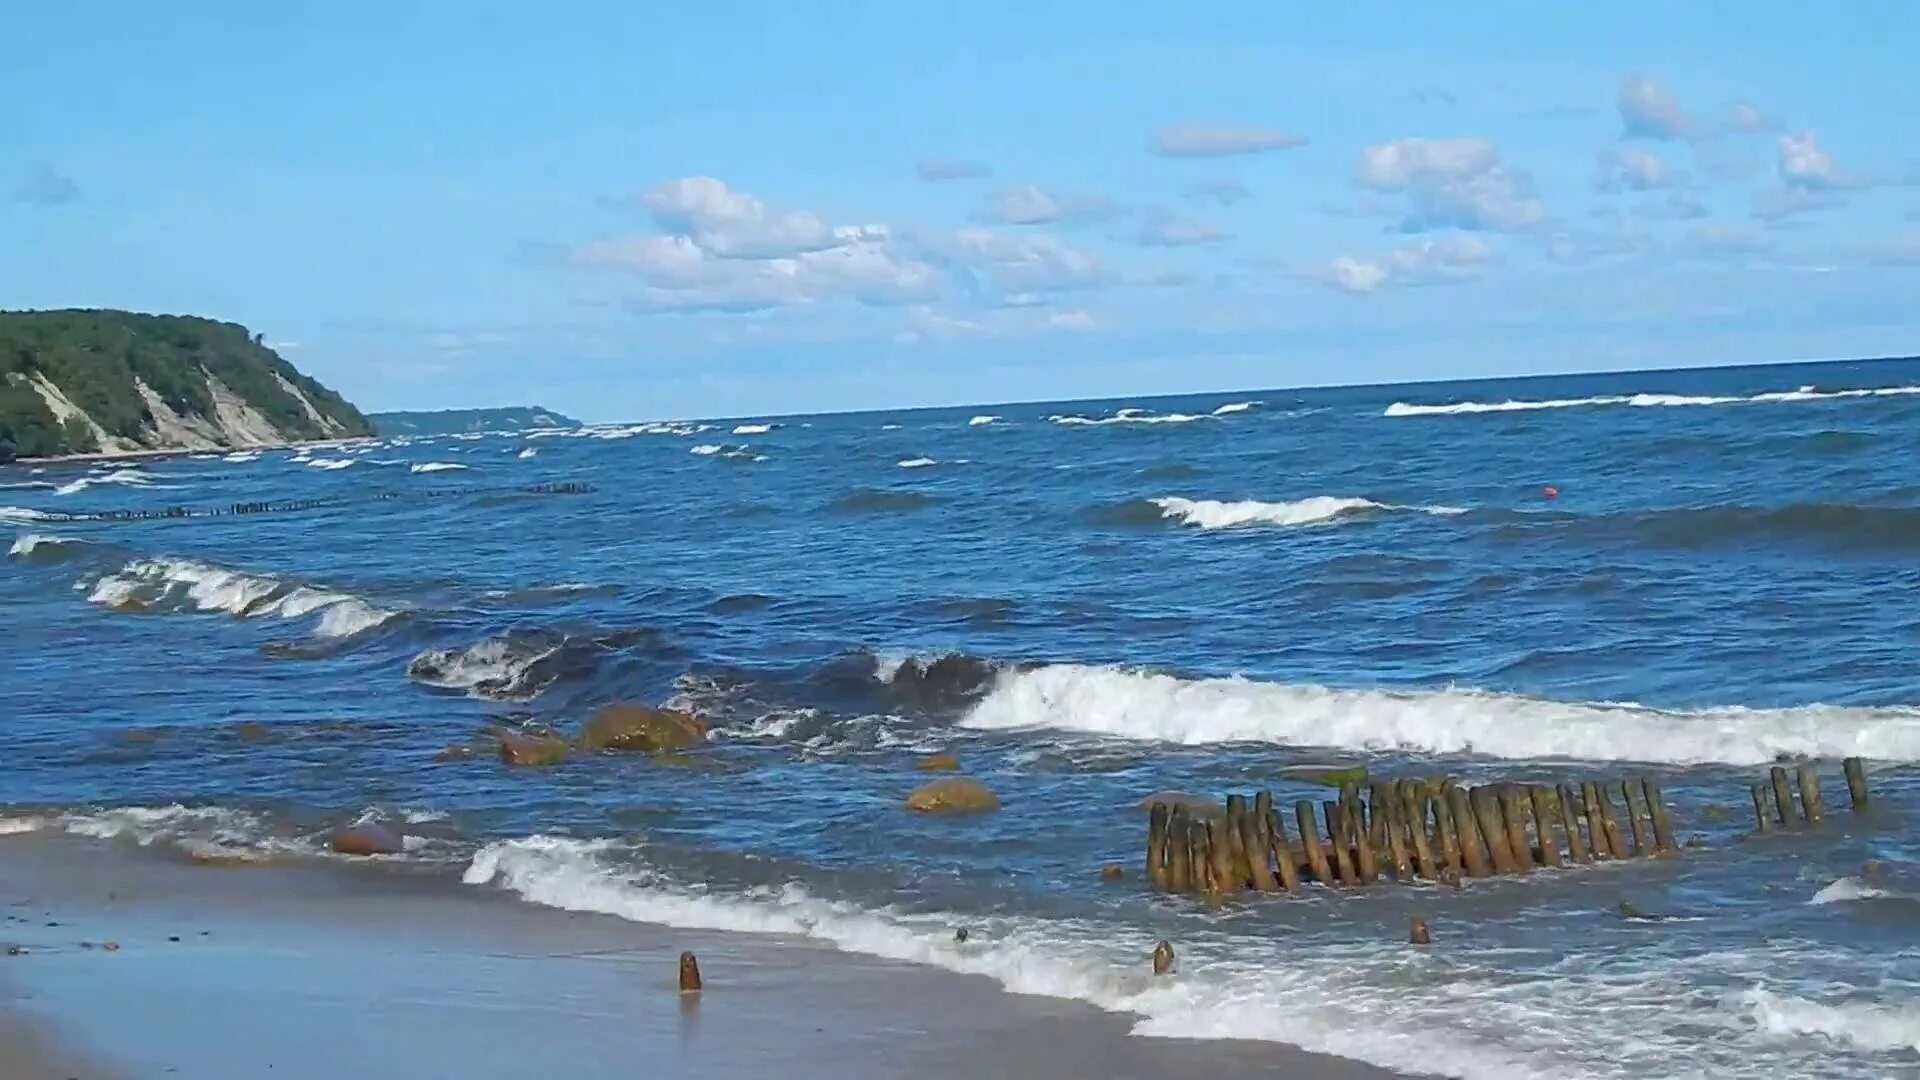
(629, 211)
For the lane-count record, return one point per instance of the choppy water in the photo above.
(1201, 594)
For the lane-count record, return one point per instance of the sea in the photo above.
(1688, 575)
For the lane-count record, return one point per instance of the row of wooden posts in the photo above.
(289, 506)
(1777, 810)
(1409, 829)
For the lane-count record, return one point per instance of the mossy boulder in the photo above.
(641, 729)
(953, 795)
(532, 749)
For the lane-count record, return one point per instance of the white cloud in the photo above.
(950, 169)
(1452, 183)
(1748, 119)
(1225, 191)
(1205, 140)
(733, 224)
(1027, 204)
(1633, 168)
(1804, 165)
(1456, 257)
(680, 275)
(1789, 201)
(1648, 110)
(1025, 264)
(1166, 230)
(1072, 320)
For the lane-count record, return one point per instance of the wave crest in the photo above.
(1642, 401)
(1215, 514)
(198, 586)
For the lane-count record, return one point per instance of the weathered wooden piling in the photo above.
(1493, 827)
(1253, 843)
(1641, 845)
(1447, 835)
(1513, 811)
(1417, 933)
(1239, 858)
(1762, 821)
(1225, 875)
(1782, 798)
(689, 974)
(1856, 771)
(1377, 830)
(1577, 849)
(1395, 835)
(1157, 846)
(1282, 851)
(1310, 842)
(1337, 838)
(1412, 811)
(1466, 827)
(1610, 823)
(1542, 799)
(1657, 813)
(1163, 958)
(1366, 862)
(1179, 851)
(1596, 825)
(1810, 808)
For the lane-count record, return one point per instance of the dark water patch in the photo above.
(1838, 527)
(739, 604)
(978, 611)
(1132, 514)
(873, 501)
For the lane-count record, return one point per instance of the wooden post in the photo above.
(1810, 793)
(1413, 812)
(1762, 821)
(1657, 812)
(1254, 846)
(1856, 771)
(1282, 851)
(1512, 809)
(689, 974)
(1310, 841)
(1262, 824)
(1225, 875)
(1365, 861)
(1239, 858)
(1641, 846)
(1417, 932)
(1577, 849)
(1157, 846)
(1163, 959)
(1493, 828)
(1596, 823)
(1542, 800)
(1378, 806)
(1782, 798)
(1443, 830)
(1473, 848)
(1395, 834)
(1616, 843)
(1179, 851)
(1337, 838)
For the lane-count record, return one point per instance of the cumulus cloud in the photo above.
(1633, 168)
(1648, 110)
(1225, 191)
(1749, 119)
(950, 169)
(1026, 264)
(1207, 140)
(1026, 204)
(733, 224)
(1807, 167)
(1167, 230)
(47, 186)
(1452, 183)
(1457, 257)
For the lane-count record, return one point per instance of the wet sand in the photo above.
(323, 971)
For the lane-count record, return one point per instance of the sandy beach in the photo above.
(329, 970)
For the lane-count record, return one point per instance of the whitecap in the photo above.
(22, 514)
(706, 449)
(1214, 514)
(128, 476)
(528, 453)
(916, 463)
(1862, 1025)
(1232, 407)
(1642, 400)
(26, 544)
(1127, 416)
(982, 421)
(1848, 889)
(752, 429)
(435, 466)
(330, 464)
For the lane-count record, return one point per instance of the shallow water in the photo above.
(1210, 594)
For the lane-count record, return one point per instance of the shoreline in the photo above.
(322, 970)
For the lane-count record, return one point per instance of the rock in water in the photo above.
(1163, 959)
(953, 795)
(689, 974)
(367, 840)
(532, 749)
(636, 727)
(1417, 932)
(939, 763)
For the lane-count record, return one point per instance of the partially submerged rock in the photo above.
(532, 749)
(453, 753)
(367, 840)
(639, 728)
(939, 763)
(953, 795)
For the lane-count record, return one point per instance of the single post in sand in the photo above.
(1810, 793)
(1473, 847)
(1541, 797)
(1417, 933)
(1762, 821)
(1157, 846)
(1310, 842)
(1337, 838)
(1493, 827)
(1179, 851)
(1596, 822)
(1856, 771)
(1577, 849)
(1513, 808)
(1283, 860)
(1641, 846)
(1163, 959)
(689, 974)
(1616, 843)
(1263, 825)
(1657, 811)
(1782, 798)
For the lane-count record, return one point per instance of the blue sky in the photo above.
(633, 210)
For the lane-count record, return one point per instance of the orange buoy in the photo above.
(1550, 492)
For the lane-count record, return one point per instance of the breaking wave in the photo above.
(512, 667)
(39, 546)
(982, 421)
(125, 477)
(1126, 416)
(752, 429)
(1644, 401)
(1137, 705)
(19, 515)
(916, 463)
(144, 584)
(1213, 514)
(1862, 1025)
(1232, 407)
(434, 466)
(330, 464)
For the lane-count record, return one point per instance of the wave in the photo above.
(1643, 401)
(511, 667)
(982, 421)
(241, 457)
(20, 515)
(706, 449)
(39, 546)
(1858, 1024)
(434, 466)
(528, 452)
(752, 429)
(1128, 704)
(146, 583)
(127, 477)
(916, 463)
(1213, 514)
(1847, 889)
(1126, 416)
(1232, 407)
(330, 464)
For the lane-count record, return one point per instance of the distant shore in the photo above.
(320, 971)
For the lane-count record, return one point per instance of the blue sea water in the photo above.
(1087, 603)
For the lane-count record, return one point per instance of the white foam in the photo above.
(435, 466)
(752, 429)
(496, 668)
(211, 588)
(1857, 1024)
(1848, 889)
(528, 452)
(1213, 514)
(706, 449)
(1232, 407)
(330, 464)
(1138, 705)
(242, 457)
(27, 543)
(1127, 416)
(917, 463)
(1643, 401)
(131, 477)
(354, 616)
(982, 421)
(21, 514)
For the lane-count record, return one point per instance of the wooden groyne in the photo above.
(1773, 801)
(294, 506)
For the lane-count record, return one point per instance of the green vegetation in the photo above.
(463, 421)
(96, 357)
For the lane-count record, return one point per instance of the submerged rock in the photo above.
(367, 840)
(453, 753)
(939, 763)
(639, 728)
(532, 749)
(953, 795)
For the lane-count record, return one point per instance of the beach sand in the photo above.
(325, 971)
